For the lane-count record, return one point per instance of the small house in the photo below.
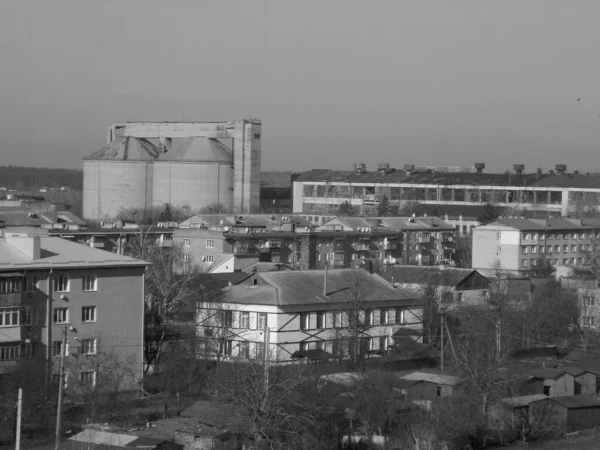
(511, 413)
(565, 414)
(585, 381)
(428, 386)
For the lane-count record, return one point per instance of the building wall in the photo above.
(495, 247)
(585, 384)
(445, 293)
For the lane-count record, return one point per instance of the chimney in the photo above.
(519, 168)
(446, 216)
(409, 168)
(561, 168)
(479, 167)
(325, 282)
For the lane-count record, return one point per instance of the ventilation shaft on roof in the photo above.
(479, 167)
(519, 168)
(561, 168)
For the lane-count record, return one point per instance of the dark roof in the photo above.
(575, 401)
(402, 332)
(287, 288)
(351, 176)
(551, 224)
(314, 354)
(448, 276)
(276, 179)
(403, 384)
(548, 374)
(571, 180)
(232, 278)
(540, 352)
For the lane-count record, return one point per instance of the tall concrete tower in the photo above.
(147, 164)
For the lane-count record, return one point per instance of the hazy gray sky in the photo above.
(335, 82)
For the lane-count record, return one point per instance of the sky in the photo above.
(432, 82)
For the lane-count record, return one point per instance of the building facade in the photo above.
(516, 246)
(309, 310)
(49, 286)
(552, 192)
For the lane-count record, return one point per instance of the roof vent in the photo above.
(519, 168)
(576, 172)
(561, 168)
(479, 167)
(409, 167)
(360, 167)
(383, 168)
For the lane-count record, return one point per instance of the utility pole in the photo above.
(266, 357)
(442, 340)
(61, 382)
(19, 408)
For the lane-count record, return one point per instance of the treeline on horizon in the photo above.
(26, 178)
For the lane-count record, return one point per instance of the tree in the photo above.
(489, 213)
(383, 208)
(464, 251)
(345, 209)
(216, 208)
(170, 284)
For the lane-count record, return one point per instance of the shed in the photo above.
(550, 382)
(431, 386)
(511, 413)
(566, 414)
(585, 381)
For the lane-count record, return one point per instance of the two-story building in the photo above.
(331, 311)
(49, 286)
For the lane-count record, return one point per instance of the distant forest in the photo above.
(28, 178)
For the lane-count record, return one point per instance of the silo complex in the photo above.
(147, 164)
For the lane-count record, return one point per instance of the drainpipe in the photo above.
(49, 333)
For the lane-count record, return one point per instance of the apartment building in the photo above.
(48, 284)
(554, 192)
(311, 310)
(342, 242)
(515, 246)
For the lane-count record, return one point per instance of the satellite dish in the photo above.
(226, 228)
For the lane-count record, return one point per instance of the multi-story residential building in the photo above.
(557, 193)
(516, 246)
(308, 310)
(49, 285)
(342, 242)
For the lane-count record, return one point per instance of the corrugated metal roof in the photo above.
(523, 400)
(443, 379)
(320, 175)
(200, 149)
(449, 276)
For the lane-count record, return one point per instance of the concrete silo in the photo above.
(182, 163)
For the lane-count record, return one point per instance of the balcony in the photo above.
(95, 244)
(389, 246)
(424, 239)
(447, 238)
(244, 249)
(389, 261)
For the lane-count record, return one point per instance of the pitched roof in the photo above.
(551, 224)
(128, 149)
(288, 288)
(388, 223)
(265, 266)
(448, 276)
(57, 252)
(468, 212)
(523, 400)
(548, 374)
(576, 401)
(229, 278)
(443, 379)
(200, 149)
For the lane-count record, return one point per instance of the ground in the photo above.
(584, 440)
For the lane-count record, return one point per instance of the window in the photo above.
(228, 348)
(244, 320)
(30, 284)
(534, 249)
(533, 262)
(438, 391)
(9, 352)
(498, 249)
(320, 345)
(565, 248)
(384, 316)
(526, 236)
(575, 236)
(559, 236)
(498, 234)
(90, 283)
(524, 262)
(227, 318)
(549, 248)
(259, 349)
(61, 315)
(321, 320)
(400, 319)
(9, 317)
(88, 378)
(369, 317)
(534, 236)
(210, 243)
(525, 249)
(209, 258)
(542, 248)
(459, 296)
(557, 248)
(262, 321)
(573, 248)
(61, 283)
(186, 257)
(88, 314)
(303, 346)
(304, 321)
(186, 243)
(337, 319)
(588, 300)
(581, 248)
(588, 321)
(384, 342)
(88, 346)
(244, 351)
(57, 347)
(29, 316)
(10, 285)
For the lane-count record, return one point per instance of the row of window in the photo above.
(556, 236)
(60, 283)
(10, 352)
(16, 316)
(555, 262)
(61, 315)
(556, 248)
(210, 243)
(258, 323)
(87, 378)
(588, 300)
(88, 347)
(340, 319)
(205, 258)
